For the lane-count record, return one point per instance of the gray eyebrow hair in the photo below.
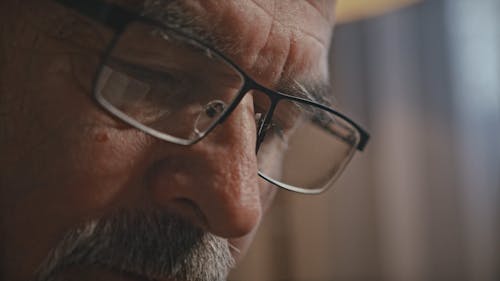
(171, 13)
(174, 14)
(317, 91)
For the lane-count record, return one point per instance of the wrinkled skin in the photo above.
(64, 159)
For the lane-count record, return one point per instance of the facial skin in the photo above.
(64, 160)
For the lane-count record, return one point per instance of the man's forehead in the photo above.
(240, 24)
(222, 24)
(239, 39)
(276, 8)
(325, 7)
(200, 18)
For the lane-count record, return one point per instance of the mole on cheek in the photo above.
(101, 137)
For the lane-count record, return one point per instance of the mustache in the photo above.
(152, 244)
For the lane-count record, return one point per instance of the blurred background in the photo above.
(423, 201)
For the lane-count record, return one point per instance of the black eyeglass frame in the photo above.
(118, 18)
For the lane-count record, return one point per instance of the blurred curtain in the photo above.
(423, 202)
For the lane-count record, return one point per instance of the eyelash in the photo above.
(149, 75)
(143, 73)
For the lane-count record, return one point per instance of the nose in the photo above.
(213, 183)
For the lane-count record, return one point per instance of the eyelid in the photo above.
(121, 84)
(141, 70)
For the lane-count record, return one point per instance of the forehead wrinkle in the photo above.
(281, 21)
(175, 14)
(297, 34)
(325, 8)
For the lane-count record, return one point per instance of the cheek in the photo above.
(72, 181)
(65, 143)
(102, 168)
(65, 162)
(78, 173)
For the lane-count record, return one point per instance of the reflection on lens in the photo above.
(212, 111)
(314, 149)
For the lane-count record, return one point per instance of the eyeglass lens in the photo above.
(176, 89)
(170, 85)
(312, 146)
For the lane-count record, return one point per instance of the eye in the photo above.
(158, 80)
(142, 93)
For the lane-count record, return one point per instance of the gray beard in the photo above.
(154, 245)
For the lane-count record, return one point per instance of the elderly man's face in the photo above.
(86, 197)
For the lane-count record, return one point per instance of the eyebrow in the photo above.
(170, 13)
(318, 91)
(173, 14)
(117, 17)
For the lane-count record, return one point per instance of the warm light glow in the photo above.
(349, 10)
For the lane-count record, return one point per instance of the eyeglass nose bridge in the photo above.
(264, 122)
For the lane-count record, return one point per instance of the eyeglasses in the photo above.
(176, 88)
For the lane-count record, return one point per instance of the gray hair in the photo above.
(175, 14)
(154, 244)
